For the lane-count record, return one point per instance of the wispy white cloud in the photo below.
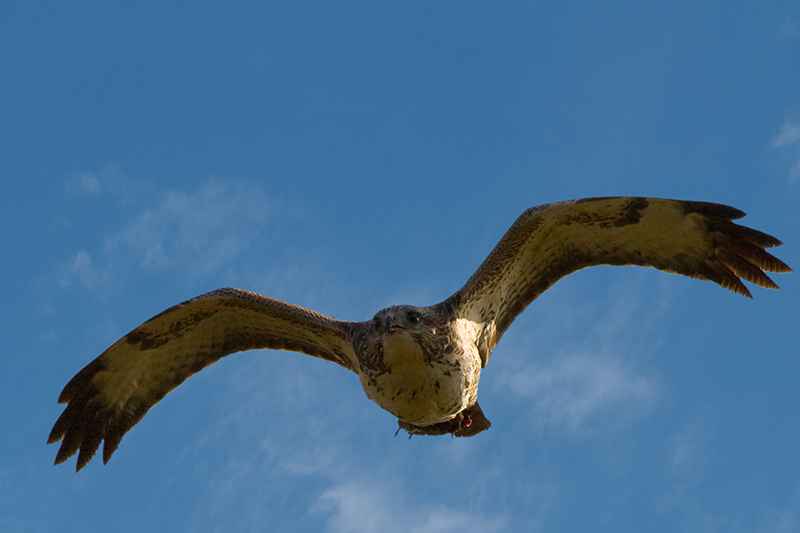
(576, 390)
(81, 270)
(787, 141)
(357, 507)
(108, 181)
(24, 486)
(82, 183)
(782, 520)
(690, 448)
(194, 232)
(788, 29)
(585, 364)
(692, 454)
(286, 420)
(790, 134)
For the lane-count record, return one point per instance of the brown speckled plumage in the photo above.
(422, 364)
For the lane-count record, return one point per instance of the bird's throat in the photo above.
(403, 355)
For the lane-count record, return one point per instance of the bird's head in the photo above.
(403, 319)
(403, 334)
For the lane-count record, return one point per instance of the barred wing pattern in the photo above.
(548, 242)
(113, 392)
(696, 239)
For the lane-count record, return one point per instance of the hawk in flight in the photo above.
(422, 364)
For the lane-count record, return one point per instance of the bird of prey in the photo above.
(422, 364)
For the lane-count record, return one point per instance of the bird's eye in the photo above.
(413, 317)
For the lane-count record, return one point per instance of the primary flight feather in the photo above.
(422, 364)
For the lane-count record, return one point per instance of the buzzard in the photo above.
(422, 364)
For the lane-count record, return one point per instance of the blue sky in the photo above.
(348, 156)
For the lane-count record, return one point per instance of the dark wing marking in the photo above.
(548, 242)
(113, 392)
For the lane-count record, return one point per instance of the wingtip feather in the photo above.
(740, 252)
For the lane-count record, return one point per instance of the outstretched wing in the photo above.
(113, 392)
(547, 242)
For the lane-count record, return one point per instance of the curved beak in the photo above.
(392, 325)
